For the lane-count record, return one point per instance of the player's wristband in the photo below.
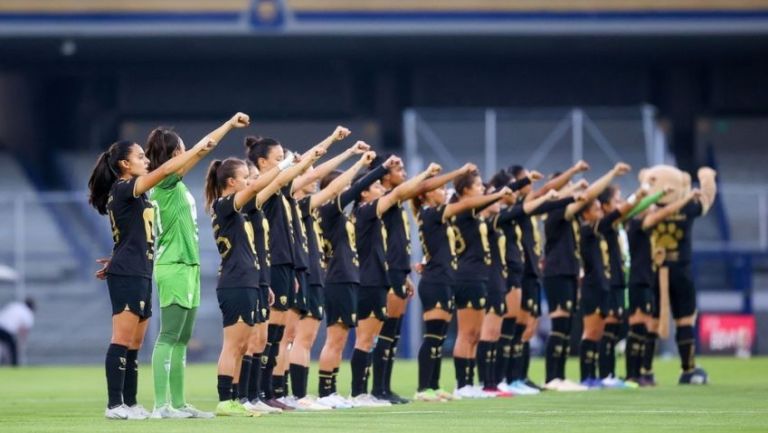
(286, 163)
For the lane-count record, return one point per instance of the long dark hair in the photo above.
(463, 182)
(105, 172)
(161, 144)
(259, 147)
(500, 179)
(216, 179)
(330, 177)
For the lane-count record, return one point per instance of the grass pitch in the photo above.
(72, 399)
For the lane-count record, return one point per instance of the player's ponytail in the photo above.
(216, 180)
(105, 172)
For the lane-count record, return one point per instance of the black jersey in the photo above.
(641, 268)
(498, 242)
(371, 238)
(438, 242)
(398, 238)
(675, 234)
(508, 221)
(338, 232)
(132, 220)
(561, 249)
(529, 227)
(261, 239)
(594, 253)
(316, 260)
(277, 211)
(610, 233)
(236, 243)
(472, 247)
(299, 231)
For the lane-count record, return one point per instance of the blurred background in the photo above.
(539, 83)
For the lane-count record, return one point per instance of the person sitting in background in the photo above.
(16, 320)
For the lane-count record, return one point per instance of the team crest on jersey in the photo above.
(283, 299)
(568, 304)
(482, 302)
(142, 304)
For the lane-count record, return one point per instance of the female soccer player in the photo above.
(561, 278)
(313, 309)
(117, 187)
(471, 279)
(177, 269)
(229, 195)
(370, 236)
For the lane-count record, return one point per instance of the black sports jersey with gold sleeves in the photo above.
(235, 240)
(277, 210)
(675, 234)
(132, 219)
(398, 238)
(438, 243)
(261, 238)
(641, 268)
(498, 268)
(595, 256)
(472, 247)
(610, 233)
(338, 232)
(371, 238)
(299, 231)
(316, 261)
(561, 249)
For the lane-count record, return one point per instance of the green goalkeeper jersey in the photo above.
(176, 223)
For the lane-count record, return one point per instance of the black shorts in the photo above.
(593, 300)
(497, 302)
(341, 304)
(436, 295)
(514, 278)
(530, 299)
(682, 294)
(471, 294)
(314, 306)
(641, 298)
(283, 285)
(613, 303)
(372, 302)
(238, 304)
(299, 299)
(262, 312)
(561, 292)
(132, 294)
(397, 278)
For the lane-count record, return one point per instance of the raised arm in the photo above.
(596, 188)
(561, 180)
(654, 218)
(529, 206)
(325, 168)
(282, 179)
(436, 182)
(239, 120)
(363, 183)
(306, 159)
(337, 185)
(264, 180)
(708, 188)
(474, 202)
(406, 189)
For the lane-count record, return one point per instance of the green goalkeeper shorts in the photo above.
(178, 284)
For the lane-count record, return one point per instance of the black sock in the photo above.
(335, 378)
(382, 353)
(115, 367)
(235, 389)
(131, 382)
(565, 347)
(274, 335)
(244, 380)
(392, 356)
(608, 350)
(482, 355)
(428, 352)
(686, 346)
(434, 383)
(635, 343)
(587, 356)
(558, 337)
(224, 387)
(299, 375)
(471, 372)
(526, 360)
(649, 351)
(278, 386)
(325, 385)
(514, 371)
(358, 361)
(254, 380)
(504, 348)
(490, 369)
(461, 366)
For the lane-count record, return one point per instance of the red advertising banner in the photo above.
(727, 333)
